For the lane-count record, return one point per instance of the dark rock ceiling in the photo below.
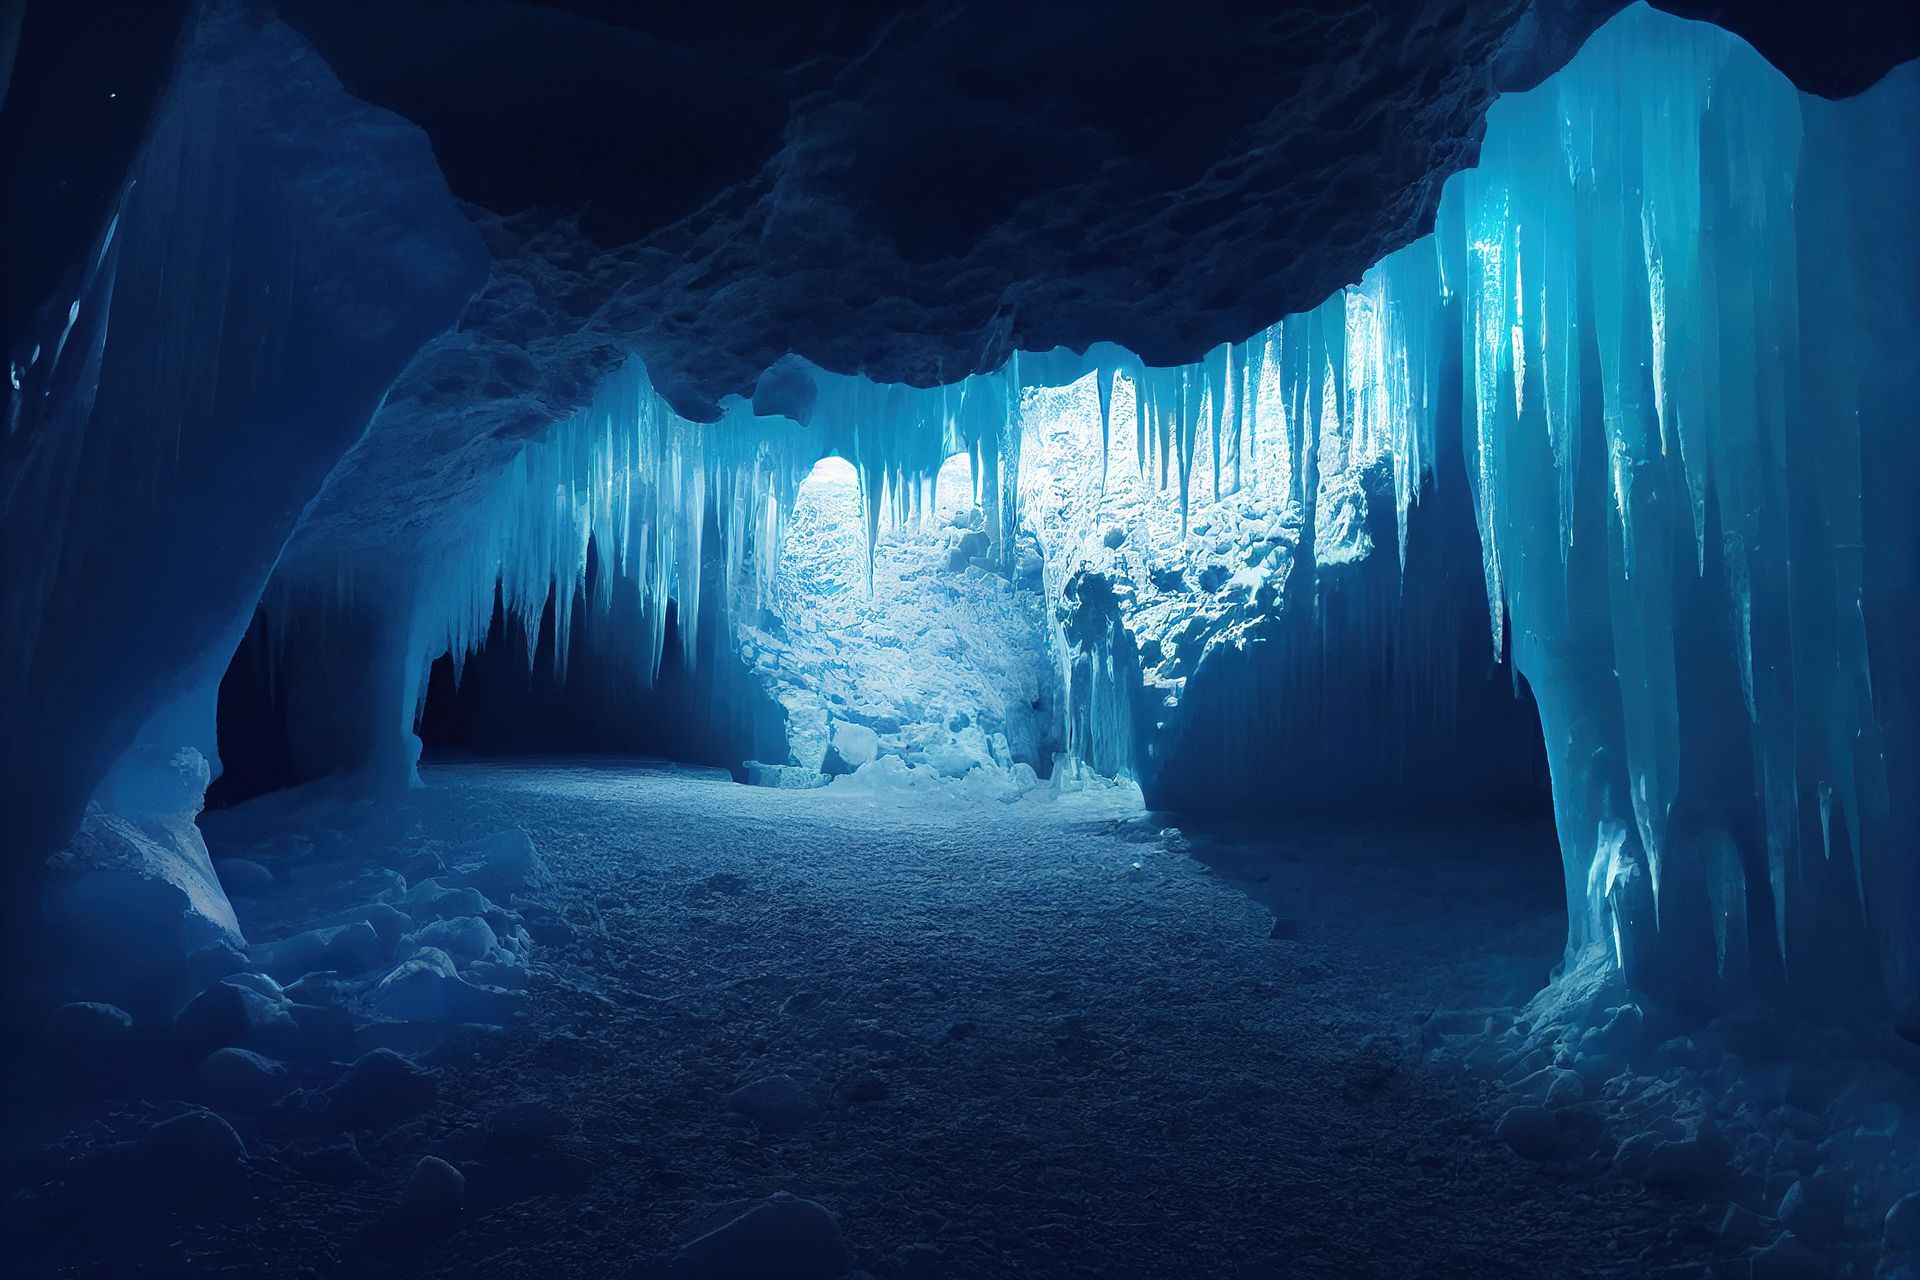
(907, 190)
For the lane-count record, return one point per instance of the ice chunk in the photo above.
(135, 890)
(428, 988)
(349, 948)
(379, 1088)
(241, 1080)
(782, 1235)
(855, 743)
(503, 864)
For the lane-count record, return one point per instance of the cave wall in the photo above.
(510, 697)
(1382, 692)
(279, 253)
(276, 255)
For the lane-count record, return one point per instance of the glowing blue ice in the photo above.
(1685, 301)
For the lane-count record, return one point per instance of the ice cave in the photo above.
(706, 640)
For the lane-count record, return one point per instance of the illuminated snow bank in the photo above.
(935, 659)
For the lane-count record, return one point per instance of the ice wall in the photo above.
(1689, 299)
(1685, 300)
(277, 255)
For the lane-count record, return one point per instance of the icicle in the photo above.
(1738, 379)
(1103, 377)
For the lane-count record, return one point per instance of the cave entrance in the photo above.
(919, 649)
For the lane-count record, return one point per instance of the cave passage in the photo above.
(743, 990)
(829, 651)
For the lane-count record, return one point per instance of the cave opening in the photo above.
(1329, 692)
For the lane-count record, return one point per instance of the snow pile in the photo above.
(937, 659)
(134, 892)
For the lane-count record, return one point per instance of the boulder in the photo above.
(781, 1238)
(195, 1144)
(503, 864)
(88, 1029)
(1813, 1209)
(463, 937)
(436, 1190)
(855, 743)
(1531, 1131)
(428, 988)
(1902, 1227)
(1788, 1259)
(389, 922)
(380, 1088)
(232, 1013)
(260, 982)
(776, 1103)
(212, 963)
(1564, 1088)
(346, 948)
(436, 900)
(241, 1080)
(326, 1031)
(504, 973)
(1698, 1161)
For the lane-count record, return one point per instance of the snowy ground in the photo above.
(1040, 1038)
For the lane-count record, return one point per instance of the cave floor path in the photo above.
(1056, 1037)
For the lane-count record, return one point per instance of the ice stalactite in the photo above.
(1689, 297)
(1685, 299)
(1661, 340)
(673, 510)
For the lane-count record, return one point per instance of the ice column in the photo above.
(1689, 305)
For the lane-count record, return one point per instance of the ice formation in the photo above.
(1680, 296)
(935, 659)
(273, 308)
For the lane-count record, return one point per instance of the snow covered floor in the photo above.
(1030, 1039)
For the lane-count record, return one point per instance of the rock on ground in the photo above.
(87, 1028)
(436, 1190)
(380, 1088)
(1902, 1228)
(1531, 1131)
(777, 1103)
(241, 1080)
(781, 1238)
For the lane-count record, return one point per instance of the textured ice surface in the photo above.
(134, 894)
(1689, 297)
(1681, 296)
(939, 660)
(278, 253)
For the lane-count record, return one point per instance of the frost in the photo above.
(1682, 302)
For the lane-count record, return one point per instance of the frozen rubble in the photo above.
(321, 1032)
(915, 646)
(1798, 1141)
